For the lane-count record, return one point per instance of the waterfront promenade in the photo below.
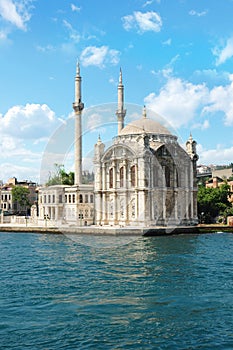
(118, 231)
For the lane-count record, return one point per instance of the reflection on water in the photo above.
(152, 293)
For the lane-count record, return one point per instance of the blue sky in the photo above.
(176, 57)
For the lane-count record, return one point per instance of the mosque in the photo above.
(144, 179)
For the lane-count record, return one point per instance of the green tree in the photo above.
(60, 176)
(20, 197)
(213, 202)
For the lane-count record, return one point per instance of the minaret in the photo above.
(120, 113)
(144, 112)
(78, 107)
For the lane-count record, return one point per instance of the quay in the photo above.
(118, 231)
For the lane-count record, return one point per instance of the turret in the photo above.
(121, 112)
(99, 150)
(191, 148)
(192, 152)
(78, 107)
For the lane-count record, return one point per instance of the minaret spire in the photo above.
(120, 113)
(120, 77)
(144, 112)
(78, 68)
(78, 107)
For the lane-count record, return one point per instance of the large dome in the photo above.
(144, 125)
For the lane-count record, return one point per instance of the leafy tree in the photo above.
(213, 202)
(202, 180)
(20, 196)
(67, 178)
(60, 177)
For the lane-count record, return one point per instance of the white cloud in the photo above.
(212, 75)
(16, 13)
(18, 160)
(225, 53)
(178, 101)
(75, 8)
(8, 170)
(148, 2)
(198, 14)
(202, 126)
(3, 35)
(167, 42)
(73, 34)
(24, 132)
(112, 81)
(143, 22)
(31, 121)
(99, 56)
(47, 48)
(221, 100)
(219, 155)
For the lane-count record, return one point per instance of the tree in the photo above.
(213, 202)
(20, 197)
(60, 176)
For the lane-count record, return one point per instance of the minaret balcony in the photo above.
(78, 106)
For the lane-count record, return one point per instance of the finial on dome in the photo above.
(144, 112)
(190, 137)
(99, 139)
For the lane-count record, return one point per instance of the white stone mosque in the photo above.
(145, 179)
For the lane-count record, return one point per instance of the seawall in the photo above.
(118, 231)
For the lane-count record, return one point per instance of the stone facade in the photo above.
(62, 204)
(144, 179)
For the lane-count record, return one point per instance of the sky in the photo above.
(176, 58)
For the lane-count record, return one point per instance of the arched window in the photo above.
(133, 176)
(177, 178)
(155, 176)
(80, 198)
(122, 176)
(167, 176)
(111, 178)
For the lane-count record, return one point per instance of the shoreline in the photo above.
(118, 231)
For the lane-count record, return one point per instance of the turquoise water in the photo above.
(153, 293)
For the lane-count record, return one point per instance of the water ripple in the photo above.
(154, 293)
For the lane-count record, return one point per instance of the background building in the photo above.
(7, 202)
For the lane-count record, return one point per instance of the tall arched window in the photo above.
(122, 176)
(80, 198)
(155, 176)
(133, 176)
(177, 178)
(111, 178)
(167, 176)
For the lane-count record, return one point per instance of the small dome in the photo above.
(144, 125)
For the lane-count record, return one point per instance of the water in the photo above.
(154, 293)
